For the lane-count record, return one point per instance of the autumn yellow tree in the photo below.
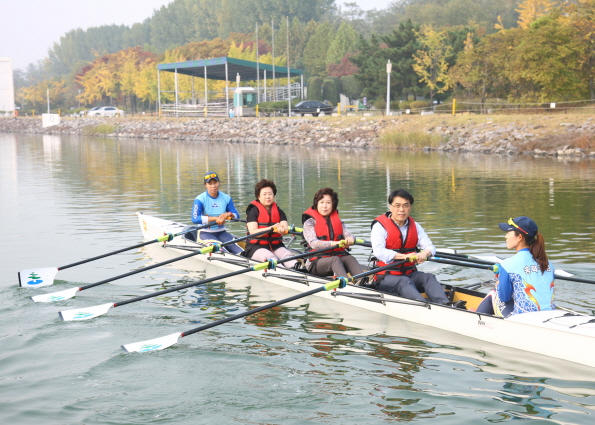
(431, 61)
(530, 10)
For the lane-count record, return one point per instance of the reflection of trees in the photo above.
(453, 192)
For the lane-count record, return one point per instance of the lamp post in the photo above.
(389, 67)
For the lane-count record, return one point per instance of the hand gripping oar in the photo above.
(69, 293)
(99, 310)
(169, 340)
(35, 278)
(488, 265)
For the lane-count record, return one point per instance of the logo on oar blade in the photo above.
(81, 315)
(36, 280)
(149, 347)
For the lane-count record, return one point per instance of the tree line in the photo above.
(534, 50)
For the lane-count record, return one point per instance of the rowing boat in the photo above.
(564, 335)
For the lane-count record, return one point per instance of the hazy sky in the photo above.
(29, 28)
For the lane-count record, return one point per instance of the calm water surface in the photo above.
(311, 361)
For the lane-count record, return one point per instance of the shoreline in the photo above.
(537, 135)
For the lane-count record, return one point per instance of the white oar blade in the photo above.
(491, 258)
(36, 278)
(564, 273)
(55, 296)
(85, 313)
(152, 344)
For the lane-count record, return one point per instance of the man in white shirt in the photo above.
(395, 237)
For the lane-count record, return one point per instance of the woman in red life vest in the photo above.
(396, 236)
(324, 229)
(262, 214)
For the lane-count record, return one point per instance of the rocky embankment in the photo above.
(540, 136)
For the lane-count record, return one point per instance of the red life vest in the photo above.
(327, 229)
(265, 219)
(394, 241)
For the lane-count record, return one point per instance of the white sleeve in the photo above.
(423, 239)
(378, 238)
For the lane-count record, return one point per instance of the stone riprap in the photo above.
(355, 132)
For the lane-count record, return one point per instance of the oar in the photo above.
(487, 265)
(169, 340)
(35, 278)
(99, 310)
(69, 293)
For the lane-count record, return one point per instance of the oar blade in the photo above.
(36, 278)
(85, 313)
(55, 296)
(152, 344)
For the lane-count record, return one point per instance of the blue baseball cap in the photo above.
(522, 224)
(209, 175)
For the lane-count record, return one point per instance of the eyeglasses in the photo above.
(399, 206)
(210, 176)
(512, 223)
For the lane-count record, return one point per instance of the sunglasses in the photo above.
(512, 223)
(211, 176)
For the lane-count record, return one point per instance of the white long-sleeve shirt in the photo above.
(379, 235)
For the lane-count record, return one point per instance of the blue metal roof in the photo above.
(216, 69)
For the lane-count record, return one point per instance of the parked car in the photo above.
(313, 107)
(105, 111)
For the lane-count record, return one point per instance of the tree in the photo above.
(350, 87)
(316, 50)
(330, 89)
(371, 62)
(431, 62)
(530, 10)
(344, 42)
(314, 89)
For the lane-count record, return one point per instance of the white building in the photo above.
(6, 86)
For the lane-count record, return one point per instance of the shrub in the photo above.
(315, 89)
(350, 87)
(404, 105)
(330, 89)
(379, 103)
(394, 105)
(416, 139)
(419, 104)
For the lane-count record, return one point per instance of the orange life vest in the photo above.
(327, 229)
(394, 241)
(265, 219)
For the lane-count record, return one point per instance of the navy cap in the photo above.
(522, 224)
(210, 176)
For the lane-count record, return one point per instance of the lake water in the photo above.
(65, 199)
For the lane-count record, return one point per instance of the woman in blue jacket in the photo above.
(526, 280)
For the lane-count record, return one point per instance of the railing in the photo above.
(211, 109)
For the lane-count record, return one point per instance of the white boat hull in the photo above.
(549, 333)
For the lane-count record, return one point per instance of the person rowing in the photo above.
(264, 213)
(526, 280)
(396, 236)
(323, 228)
(214, 205)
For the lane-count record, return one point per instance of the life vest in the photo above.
(394, 241)
(267, 218)
(327, 229)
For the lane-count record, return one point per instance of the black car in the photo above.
(313, 107)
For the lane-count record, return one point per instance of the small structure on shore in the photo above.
(221, 69)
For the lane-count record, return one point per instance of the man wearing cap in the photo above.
(217, 206)
(525, 280)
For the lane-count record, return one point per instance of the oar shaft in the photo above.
(168, 261)
(463, 259)
(213, 279)
(461, 263)
(256, 310)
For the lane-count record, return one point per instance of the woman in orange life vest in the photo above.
(262, 214)
(396, 236)
(324, 229)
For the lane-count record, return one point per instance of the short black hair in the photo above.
(401, 193)
(326, 191)
(262, 184)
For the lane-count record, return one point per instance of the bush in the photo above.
(394, 105)
(330, 89)
(419, 104)
(379, 103)
(315, 89)
(350, 87)
(404, 105)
